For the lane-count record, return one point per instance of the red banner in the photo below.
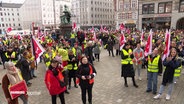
(18, 89)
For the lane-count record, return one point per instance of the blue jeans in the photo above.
(152, 81)
(170, 87)
(138, 68)
(32, 72)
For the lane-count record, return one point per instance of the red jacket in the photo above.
(52, 83)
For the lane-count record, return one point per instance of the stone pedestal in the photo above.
(66, 30)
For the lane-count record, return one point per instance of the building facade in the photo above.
(43, 13)
(126, 13)
(9, 16)
(161, 14)
(88, 13)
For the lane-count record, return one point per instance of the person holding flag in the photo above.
(171, 63)
(154, 69)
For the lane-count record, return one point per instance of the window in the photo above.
(19, 24)
(13, 24)
(165, 7)
(17, 14)
(13, 19)
(168, 7)
(148, 8)
(8, 14)
(161, 8)
(12, 14)
(6, 25)
(2, 19)
(5, 14)
(181, 8)
(2, 25)
(10, 25)
(1, 14)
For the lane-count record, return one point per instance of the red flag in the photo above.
(94, 36)
(142, 36)
(167, 44)
(8, 30)
(101, 29)
(122, 27)
(74, 26)
(37, 49)
(92, 30)
(19, 37)
(148, 48)
(122, 41)
(128, 31)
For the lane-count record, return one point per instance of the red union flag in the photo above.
(167, 44)
(74, 26)
(9, 30)
(142, 36)
(37, 49)
(92, 29)
(94, 36)
(18, 89)
(101, 29)
(148, 48)
(122, 27)
(122, 41)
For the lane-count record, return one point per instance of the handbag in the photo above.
(62, 84)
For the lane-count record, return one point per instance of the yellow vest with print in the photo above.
(127, 60)
(177, 72)
(153, 66)
(70, 66)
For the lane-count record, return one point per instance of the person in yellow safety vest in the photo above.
(72, 38)
(171, 63)
(11, 55)
(77, 51)
(72, 67)
(154, 69)
(48, 56)
(127, 69)
(177, 72)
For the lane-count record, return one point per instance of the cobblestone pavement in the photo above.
(108, 88)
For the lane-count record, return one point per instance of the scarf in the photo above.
(13, 77)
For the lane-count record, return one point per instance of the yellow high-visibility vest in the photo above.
(153, 66)
(177, 72)
(127, 60)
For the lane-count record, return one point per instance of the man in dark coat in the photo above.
(88, 51)
(110, 44)
(25, 68)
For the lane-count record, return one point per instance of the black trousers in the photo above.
(85, 89)
(97, 56)
(61, 96)
(133, 80)
(70, 80)
(111, 52)
(118, 52)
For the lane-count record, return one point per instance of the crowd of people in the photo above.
(72, 58)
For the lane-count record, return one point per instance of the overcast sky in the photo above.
(13, 1)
